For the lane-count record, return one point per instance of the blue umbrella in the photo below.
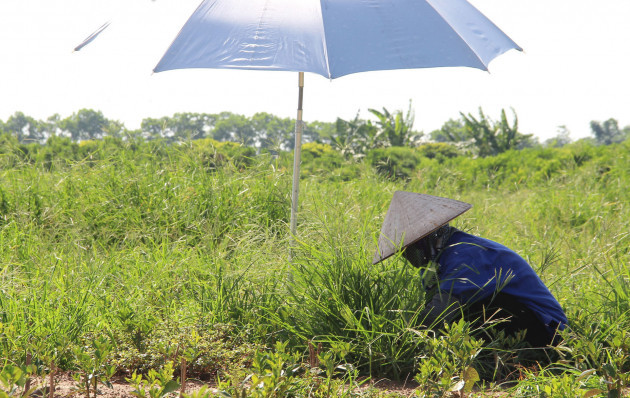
(334, 38)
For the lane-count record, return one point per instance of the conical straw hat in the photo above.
(412, 216)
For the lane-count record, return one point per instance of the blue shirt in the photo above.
(473, 268)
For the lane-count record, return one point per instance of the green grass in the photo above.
(167, 255)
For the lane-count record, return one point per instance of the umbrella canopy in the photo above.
(333, 38)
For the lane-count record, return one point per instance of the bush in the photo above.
(321, 160)
(240, 155)
(438, 150)
(394, 162)
(215, 154)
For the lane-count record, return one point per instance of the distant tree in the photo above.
(51, 125)
(273, 132)
(156, 128)
(179, 127)
(509, 137)
(354, 138)
(482, 135)
(236, 128)
(562, 138)
(311, 131)
(397, 127)
(114, 129)
(451, 131)
(86, 124)
(320, 131)
(370, 137)
(608, 132)
(189, 126)
(24, 128)
(344, 136)
(493, 137)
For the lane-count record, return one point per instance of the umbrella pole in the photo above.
(296, 159)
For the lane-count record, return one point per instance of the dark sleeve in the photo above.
(441, 308)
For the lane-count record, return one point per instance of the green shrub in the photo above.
(322, 160)
(438, 150)
(240, 155)
(315, 150)
(214, 154)
(394, 162)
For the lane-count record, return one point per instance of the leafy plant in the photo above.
(397, 127)
(157, 384)
(203, 392)
(616, 366)
(558, 382)
(273, 374)
(446, 363)
(13, 381)
(395, 162)
(93, 366)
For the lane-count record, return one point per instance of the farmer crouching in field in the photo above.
(477, 278)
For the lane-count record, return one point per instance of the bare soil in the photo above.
(65, 386)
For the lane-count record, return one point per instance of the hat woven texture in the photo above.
(412, 216)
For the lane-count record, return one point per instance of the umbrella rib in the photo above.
(93, 36)
(321, 13)
(485, 67)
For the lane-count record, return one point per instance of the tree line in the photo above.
(478, 135)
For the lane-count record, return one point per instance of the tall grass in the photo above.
(158, 248)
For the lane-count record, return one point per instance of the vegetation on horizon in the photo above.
(479, 135)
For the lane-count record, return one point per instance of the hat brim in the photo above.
(412, 216)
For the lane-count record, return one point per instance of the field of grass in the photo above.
(135, 258)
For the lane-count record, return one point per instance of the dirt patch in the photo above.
(66, 386)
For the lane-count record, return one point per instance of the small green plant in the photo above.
(616, 367)
(273, 374)
(565, 385)
(606, 350)
(280, 374)
(13, 380)
(447, 362)
(157, 384)
(335, 365)
(203, 392)
(91, 361)
(558, 382)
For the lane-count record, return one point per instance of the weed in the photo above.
(14, 381)
(446, 364)
(93, 366)
(157, 384)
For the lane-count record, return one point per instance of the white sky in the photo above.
(574, 69)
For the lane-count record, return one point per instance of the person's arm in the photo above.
(441, 308)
